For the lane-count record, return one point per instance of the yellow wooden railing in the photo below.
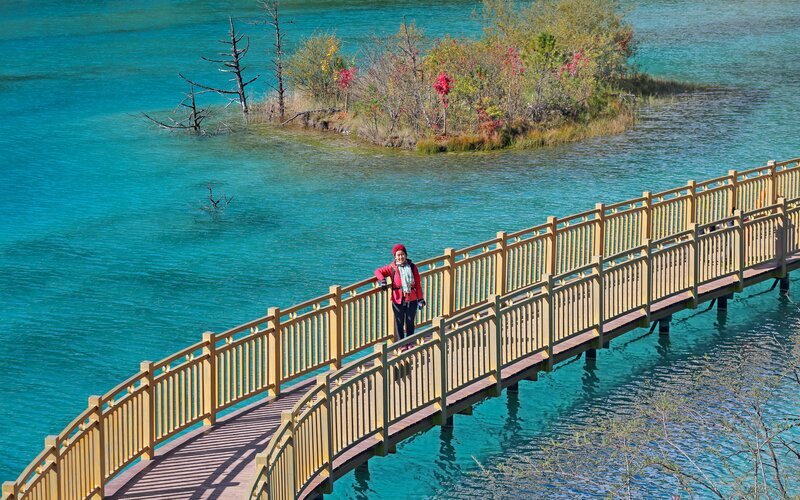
(531, 276)
(525, 293)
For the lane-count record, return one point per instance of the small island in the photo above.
(551, 72)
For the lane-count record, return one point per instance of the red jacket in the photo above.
(397, 288)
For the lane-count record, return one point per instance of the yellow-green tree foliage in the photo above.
(312, 69)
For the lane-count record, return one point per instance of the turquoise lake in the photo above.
(107, 259)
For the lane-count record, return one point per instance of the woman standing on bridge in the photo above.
(406, 290)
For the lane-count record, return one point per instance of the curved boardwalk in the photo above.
(499, 312)
(216, 462)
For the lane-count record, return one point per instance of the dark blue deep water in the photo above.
(106, 257)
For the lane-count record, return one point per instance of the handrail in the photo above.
(200, 376)
(635, 268)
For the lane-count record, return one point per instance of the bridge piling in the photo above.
(722, 302)
(591, 354)
(513, 388)
(784, 286)
(663, 325)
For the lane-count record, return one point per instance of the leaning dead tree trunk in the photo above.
(192, 123)
(273, 19)
(232, 65)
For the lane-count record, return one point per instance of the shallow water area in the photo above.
(107, 258)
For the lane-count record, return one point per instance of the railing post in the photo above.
(209, 378)
(694, 276)
(335, 333)
(51, 442)
(382, 411)
(501, 263)
(733, 201)
(449, 283)
(261, 484)
(440, 367)
(550, 324)
(99, 447)
(647, 216)
(691, 204)
(600, 230)
(275, 355)
(599, 302)
(647, 277)
(327, 430)
(552, 246)
(783, 236)
(496, 345)
(772, 186)
(741, 257)
(148, 410)
(9, 490)
(291, 473)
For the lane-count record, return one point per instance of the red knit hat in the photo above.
(399, 247)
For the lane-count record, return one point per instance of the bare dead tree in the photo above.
(410, 49)
(219, 203)
(232, 64)
(192, 123)
(273, 19)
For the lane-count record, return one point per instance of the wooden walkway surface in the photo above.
(209, 462)
(218, 461)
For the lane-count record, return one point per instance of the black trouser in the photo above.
(404, 317)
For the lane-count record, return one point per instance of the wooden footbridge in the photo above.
(326, 389)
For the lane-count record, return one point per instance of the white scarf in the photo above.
(406, 276)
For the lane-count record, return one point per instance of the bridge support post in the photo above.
(382, 387)
(784, 286)
(647, 277)
(362, 471)
(58, 488)
(550, 320)
(9, 492)
(210, 378)
(722, 302)
(448, 283)
(513, 388)
(663, 325)
(694, 275)
(148, 410)
(496, 346)
(99, 446)
(783, 237)
(440, 368)
(335, 328)
(324, 381)
(739, 250)
(501, 263)
(274, 353)
(591, 354)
